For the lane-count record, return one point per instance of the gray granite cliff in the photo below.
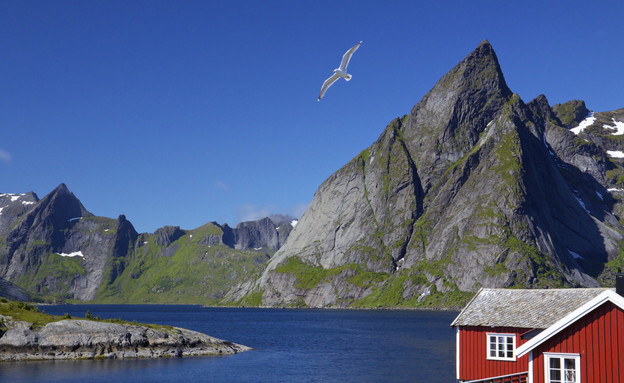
(473, 188)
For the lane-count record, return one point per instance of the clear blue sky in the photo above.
(185, 112)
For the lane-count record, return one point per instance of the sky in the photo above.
(186, 112)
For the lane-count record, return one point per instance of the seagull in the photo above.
(339, 72)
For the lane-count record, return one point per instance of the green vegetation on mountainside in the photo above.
(56, 270)
(189, 270)
(387, 289)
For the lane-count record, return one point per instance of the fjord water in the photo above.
(290, 345)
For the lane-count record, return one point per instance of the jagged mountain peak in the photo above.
(540, 106)
(479, 73)
(44, 220)
(447, 122)
(62, 204)
(61, 188)
(465, 191)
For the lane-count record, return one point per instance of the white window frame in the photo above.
(561, 356)
(488, 347)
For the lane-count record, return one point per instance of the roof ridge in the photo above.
(549, 289)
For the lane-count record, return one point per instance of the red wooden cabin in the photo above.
(541, 336)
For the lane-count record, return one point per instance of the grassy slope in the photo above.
(189, 270)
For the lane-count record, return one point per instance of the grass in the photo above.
(387, 289)
(308, 276)
(190, 270)
(253, 299)
(567, 112)
(390, 295)
(62, 270)
(25, 312)
(21, 311)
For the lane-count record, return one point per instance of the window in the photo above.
(562, 368)
(501, 346)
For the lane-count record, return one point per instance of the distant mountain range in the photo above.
(473, 188)
(55, 249)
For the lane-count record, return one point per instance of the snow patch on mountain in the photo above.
(618, 126)
(14, 197)
(584, 124)
(615, 153)
(72, 254)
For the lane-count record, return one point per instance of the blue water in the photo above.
(289, 346)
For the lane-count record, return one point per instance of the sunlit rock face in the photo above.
(473, 188)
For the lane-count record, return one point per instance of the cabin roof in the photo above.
(523, 308)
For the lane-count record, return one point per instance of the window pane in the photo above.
(493, 353)
(555, 363)
(555, 376)
(501, 354)
(510, 347)
(501, 339)
(570, 376)
(569, 364)
(510, 354)
(492, 339)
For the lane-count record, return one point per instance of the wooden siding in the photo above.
(598, 338)
(473, 363)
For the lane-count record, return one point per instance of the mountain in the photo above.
(57, 247)
(269, 231)
(54, 248)
(473, 188)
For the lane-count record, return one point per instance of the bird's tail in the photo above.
(348, 78)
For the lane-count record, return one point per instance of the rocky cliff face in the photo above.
(474, 188)
(266, 232)
(55, 248)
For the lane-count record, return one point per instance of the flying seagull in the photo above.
(339, 72)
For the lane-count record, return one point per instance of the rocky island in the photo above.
(28, 334)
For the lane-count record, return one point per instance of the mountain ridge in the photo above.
(451, 197)
(55, 249)
(472, 188)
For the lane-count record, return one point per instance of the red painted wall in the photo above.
(598, 338)
(473, 362)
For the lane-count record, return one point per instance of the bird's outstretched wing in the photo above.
(327, 84)
(347, 56)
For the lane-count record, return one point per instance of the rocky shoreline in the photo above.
(86, 339)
